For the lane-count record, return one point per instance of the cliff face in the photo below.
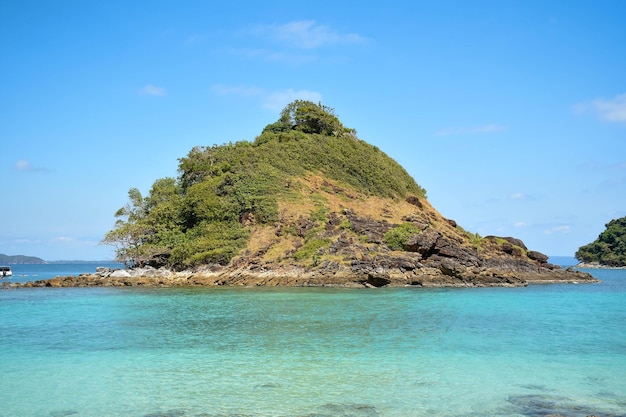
(355, 245)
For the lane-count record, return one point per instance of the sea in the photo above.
(312, 352)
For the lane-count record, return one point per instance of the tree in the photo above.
(128, 240)
(309, 117)
(129, 235)
(136, 233)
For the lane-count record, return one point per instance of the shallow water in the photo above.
(532, 351)
(34, 272)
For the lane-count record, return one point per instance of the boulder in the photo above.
(423, 243)
(120, 273)
(511, 240)
(373, 229)
(537, 256)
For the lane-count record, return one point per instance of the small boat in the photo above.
(5, 271)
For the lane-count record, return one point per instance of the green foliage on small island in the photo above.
(609, 248)
(202, 217)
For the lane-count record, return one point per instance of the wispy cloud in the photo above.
(557, 229)
(22, 241)
(24, 165)
(277, 100)
(525, 197)
(305, 34)
(152, 90)
(490, 128)
(196, 38)
(274, 56)
(239, 90)
(271, 100)
(73, 241)
(610, 110)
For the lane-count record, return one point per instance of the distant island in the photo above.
(609, 249)
(20, 259)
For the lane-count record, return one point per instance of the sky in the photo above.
(511, 114)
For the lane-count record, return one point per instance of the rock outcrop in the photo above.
(432, 257)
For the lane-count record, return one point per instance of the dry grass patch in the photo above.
(261, 237)
(284, 245)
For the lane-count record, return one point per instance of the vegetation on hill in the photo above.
(610, 246)
(224, 193)
(20, 259)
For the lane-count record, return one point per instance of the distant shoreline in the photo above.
(595, 265)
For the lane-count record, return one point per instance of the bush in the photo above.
(398, 237)
(311, 248)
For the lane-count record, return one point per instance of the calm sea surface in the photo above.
(555, 349)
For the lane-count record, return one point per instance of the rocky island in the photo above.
(307, 203)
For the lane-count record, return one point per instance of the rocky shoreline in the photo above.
(596, 265)
(358, 275)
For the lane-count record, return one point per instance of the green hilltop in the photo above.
(609, 248)
(224, 193)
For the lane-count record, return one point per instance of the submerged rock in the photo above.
(539, 405)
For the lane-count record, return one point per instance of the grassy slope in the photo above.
(285, 178)
(315, 199)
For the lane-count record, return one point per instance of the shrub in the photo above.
(398, 237)
(310, 248)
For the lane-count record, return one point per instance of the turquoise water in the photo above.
(34, 272)
(557, 349)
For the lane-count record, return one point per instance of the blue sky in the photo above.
(512, 114)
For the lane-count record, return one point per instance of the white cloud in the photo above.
(24, 165)
(518, 196)
(520, 224)
(490, 128)
(610, 110)
(613, 110)
(305, 34)
(277, 100)
(152, 90)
